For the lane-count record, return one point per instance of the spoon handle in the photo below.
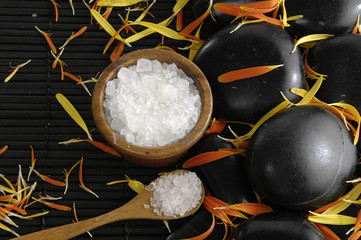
(134, 209)
(67, 231)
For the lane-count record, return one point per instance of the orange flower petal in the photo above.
(193, 25)
(33, 160)
(56, 10)
(79, 32)
(50, 180)
(252, 208)
(246, 73)
(47, 38)
(357, 25)
(358, 221)
(217, 126)
(81, 179)
(262, 4)
(104, 147)
(227, 8)
(210, 204)
(324, 208)
(179, 22)
(113, 38)
(67, 176)
(72, 77)
(207, 157)
(329, 235)
(3, 149)
(355, 236)
(206, 233)
(56, 206)
(117, 51)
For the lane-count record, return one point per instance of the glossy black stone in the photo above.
(278, 225)
(196, 225)
(212, 24)
(323, 16)
(339, 58)
(225, 178)
(301, 158)
(250, 46)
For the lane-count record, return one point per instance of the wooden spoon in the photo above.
(134, 209)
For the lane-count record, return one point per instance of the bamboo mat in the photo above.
(31, 115)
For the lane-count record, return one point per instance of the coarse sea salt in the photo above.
(176, 193)
(152, 104)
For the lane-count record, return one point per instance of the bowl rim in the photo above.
(178, 147)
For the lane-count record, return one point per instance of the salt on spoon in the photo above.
(140, 207)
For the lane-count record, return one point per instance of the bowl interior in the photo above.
(176, 148)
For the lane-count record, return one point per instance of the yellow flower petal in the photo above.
(352, 195)
(180, 5)
(168, 32)
(148, 31)
(334, 219)
(310, 38)
(106, 25)
(73, 113)
(117, 3)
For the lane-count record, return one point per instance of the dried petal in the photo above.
(179, 22)
(329, 235)
(33, 160)
(357, 25)
(3, 149)
(148, 31)
(113, 38)
(81, 179)
(211, 206)
(278, 108)
(97, 144)
(168, 32)
(78, 80)
(67, 173)
(333, 219)
(246, 73)
(4, 227)
(208, 157)
(74, 35)
(217, 126)
(73, 113)
(47, 38)
(117, 3)
(117, 51)
(72, 6)
(135, 185)
(141, 16)
(193, 25)
(50, 180)
(13, 71)
(252, 208)
(53, 205)
(56, 10)
(310, 38)
(324, 208)
(106, 25)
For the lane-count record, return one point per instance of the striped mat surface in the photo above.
(30, 115)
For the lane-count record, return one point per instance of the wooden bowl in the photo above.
(152, 156)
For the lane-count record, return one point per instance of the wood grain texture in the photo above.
(134, 209)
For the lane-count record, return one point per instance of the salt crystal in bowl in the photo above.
(143, 154)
